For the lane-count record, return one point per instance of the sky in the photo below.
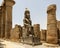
(37, 9)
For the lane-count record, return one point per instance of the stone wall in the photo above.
(16, 33)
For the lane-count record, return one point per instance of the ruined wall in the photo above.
(16, 33)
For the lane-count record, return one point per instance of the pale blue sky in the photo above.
(38, 11)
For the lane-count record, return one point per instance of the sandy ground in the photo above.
(9, 44)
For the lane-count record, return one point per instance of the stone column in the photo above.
(8, 18)
(43, 35)
(52, 36)
(58, 27)
(36, 29)
(3, 21)
(0, 19)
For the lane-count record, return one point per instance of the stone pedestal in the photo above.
(30, 40)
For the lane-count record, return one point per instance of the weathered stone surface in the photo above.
(8, 17)
(58, 25)
(43, 35)
(52, 36)
(2, 21)
(16, 33)
(58, 31)
(36, 28)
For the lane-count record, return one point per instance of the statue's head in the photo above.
(27, 13)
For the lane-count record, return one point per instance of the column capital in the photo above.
(9, 2)
(51, 7)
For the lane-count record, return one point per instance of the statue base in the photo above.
(31, 40)
(47, 45)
